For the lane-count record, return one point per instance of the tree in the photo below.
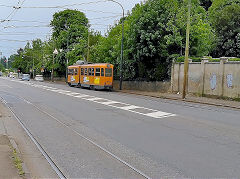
(158, 33)
(70, 32)
(206, 4)
(3, 61)
(2, 68)
(225, 19)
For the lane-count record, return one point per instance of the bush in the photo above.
(214, 60)
(194, 59)
(234, 59)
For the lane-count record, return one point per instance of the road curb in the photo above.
(185, 100)
(24, 167)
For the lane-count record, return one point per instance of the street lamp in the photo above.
(186, 61)
(121, 63)
(55, 52)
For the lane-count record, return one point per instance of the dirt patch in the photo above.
(4, 140)
(7, 166)
(3, 111)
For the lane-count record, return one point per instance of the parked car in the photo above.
(39, 78)
(11, 75)
(25, 77)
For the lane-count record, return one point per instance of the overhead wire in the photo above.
(5, 27)
(19, 6)
(15, 40)
(19, 34)
(15, 20)
(68, 5)
(16, 9)
(63, 6)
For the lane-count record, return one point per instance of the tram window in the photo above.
(70, 71)
(85, 71)
(102, 71)
(92, 71)
(108, 72)
(89, 72)
(97, 73)
(76, 71)
(82, 71)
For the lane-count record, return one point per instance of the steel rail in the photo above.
(40, 148)
(82, 136)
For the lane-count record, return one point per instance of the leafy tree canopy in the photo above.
(70, 33)
(225, 18)
(206, 4)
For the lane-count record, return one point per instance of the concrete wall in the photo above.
(134, 85)
(209, 78)
(144, 86)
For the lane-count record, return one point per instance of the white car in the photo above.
(39, 78)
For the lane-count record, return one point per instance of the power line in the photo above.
(3, 20)
(6, 33)
(104, 12)
(15, 40)
(6, 27)
(16, 34)
(107, 17)
(16, 9)
(54, 7)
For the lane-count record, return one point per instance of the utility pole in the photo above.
(122, 45)
(186, 61)
(88, 52)
(55, 52)
(67, 59)
(33, 68)
(67, 50)
(121, 64)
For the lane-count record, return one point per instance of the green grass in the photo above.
(18, 162)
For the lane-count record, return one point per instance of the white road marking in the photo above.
(158, 114)
(57, 90)
(130, 107)
(81, 96)
(72, 94)
(127, 107)
(109, 102)
(64, 92)
(93, 99)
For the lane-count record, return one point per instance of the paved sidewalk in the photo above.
(7, 167)
(189, 98)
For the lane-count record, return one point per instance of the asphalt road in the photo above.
(156, 137)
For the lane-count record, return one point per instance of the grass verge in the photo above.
(18, 162)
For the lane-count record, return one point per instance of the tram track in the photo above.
(48, 158)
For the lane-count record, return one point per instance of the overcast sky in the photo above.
(31, 21)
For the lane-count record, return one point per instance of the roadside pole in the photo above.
(122, 45)
(186, 61)
(67, 52)
(55, 52)
(33, 68)
(88, 52)
(52, 69)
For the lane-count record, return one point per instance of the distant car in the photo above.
(25, 77)
(1, 73)
(11, 75)
(39, 78)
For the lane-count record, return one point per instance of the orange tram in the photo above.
(93, 76)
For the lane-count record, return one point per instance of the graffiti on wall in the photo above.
(213, 81)
(229, 80)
